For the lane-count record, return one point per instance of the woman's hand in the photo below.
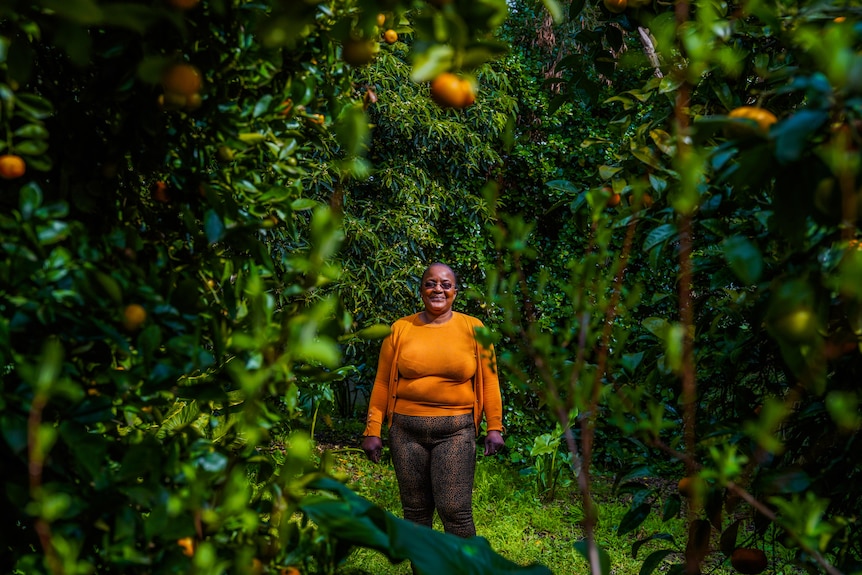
(493, 442)
(373, 448)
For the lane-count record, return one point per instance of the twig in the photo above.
(649, 49)
(36, 460)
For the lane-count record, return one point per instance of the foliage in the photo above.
(167, 336)
(720, 283)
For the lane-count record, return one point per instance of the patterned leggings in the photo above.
(435, 462)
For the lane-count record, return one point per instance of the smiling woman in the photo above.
(435, 382)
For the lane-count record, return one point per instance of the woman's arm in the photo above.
(379, 399)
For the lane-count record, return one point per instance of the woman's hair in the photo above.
(447, 266)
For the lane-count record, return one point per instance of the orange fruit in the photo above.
(748, 561)
(381, 19)
(289, 571)
(134, 316)
(614, 200)
(763, 118)
(390, 36)
(183, 4)
(12, 166)
(160, 192)
(286, 107)
(358, 52)
(452, 91)
(646, 201)
(188, 546)
(686, 486)
(616, 6)
(183, 80)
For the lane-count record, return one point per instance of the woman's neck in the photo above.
(442, 318)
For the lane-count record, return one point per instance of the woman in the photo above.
(434, 383)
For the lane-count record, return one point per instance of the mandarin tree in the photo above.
(670, 326)
(164, 262)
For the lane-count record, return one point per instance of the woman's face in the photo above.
(438, 290)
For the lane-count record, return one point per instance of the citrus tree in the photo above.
(173, 178)
(706, 323)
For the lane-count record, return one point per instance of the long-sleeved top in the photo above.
(430, 369)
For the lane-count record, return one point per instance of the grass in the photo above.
(526, 529)
(509, 514)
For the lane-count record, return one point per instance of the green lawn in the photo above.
(517, 523)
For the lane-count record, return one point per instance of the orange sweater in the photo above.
(433, 370)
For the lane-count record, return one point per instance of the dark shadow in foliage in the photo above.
(355, 520)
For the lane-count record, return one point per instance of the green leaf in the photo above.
(633, 518)
(608, 172)
(582, 547)
(562, 186)
(80, 11)
(30, 200)
(792, 134)
(658, 236)
(671, 508)
(35, 107)
(377, 331)
(110, 286)
(356, 521)
(744, 258)
(654, 537)
(302, 204)
(554, 9)
(213, 226)
(430, 63)
(653, 560)
(658, 326)
(262, 106)
(727, 541)
(32, 131)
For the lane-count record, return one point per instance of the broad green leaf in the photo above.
(792, 135)
(608, 172)
(356, 521)
(727, 541)
(554, 9)
(562, 186)
(654, 537)
(583, 548)
(658, 236)
(35, 107)
(213, 226)
(30, 200)
(633, 518)
(671, 508)
(653, 560)
(32, 131)
(262, 106)
(744, 258)
(431, 62)
(378, 331)
(303, 204)
(658, 326)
